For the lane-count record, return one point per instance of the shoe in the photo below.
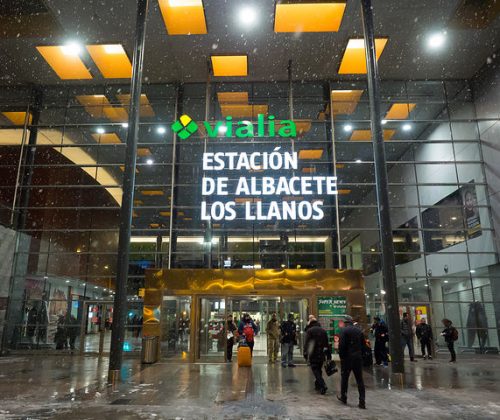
(424, 357)
(429, 357)
(291, 365)
(386, 365)
(283, 365)
(362, 405)
(378, 364)
(413, 360)
(343, 400)
(452, 361)
(323, 390)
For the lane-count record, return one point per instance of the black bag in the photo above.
(330, 367)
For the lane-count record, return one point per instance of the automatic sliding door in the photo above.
(212, 336)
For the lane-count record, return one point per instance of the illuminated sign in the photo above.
(184, 127)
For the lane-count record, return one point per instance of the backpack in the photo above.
(454, 334)
(248, 333)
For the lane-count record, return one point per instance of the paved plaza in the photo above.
(74, 387)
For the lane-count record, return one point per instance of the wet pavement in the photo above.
(63, 387)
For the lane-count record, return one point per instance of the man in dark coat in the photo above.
(316, 349)
(381, 334)
(424, 334)
(288, 338)
(407, 335)
(351, 346)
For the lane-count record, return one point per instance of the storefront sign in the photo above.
(330, 311)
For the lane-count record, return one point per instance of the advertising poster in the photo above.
(331, 310)
(471, 212)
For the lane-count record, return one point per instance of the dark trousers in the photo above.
(72, 342)
(230, 343)
(426, 343)
(380, 351)
(317, 371)
(250, 344)
(451, 348)
(355, 366)
(408, 341)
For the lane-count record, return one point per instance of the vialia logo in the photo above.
(185, 127)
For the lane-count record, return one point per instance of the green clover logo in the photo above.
(184, 127)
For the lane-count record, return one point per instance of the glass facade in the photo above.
(62, 166)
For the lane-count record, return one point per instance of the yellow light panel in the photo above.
(143, 152)
(154, 225)
(165, 213)
(232, 98)
(111, 60)
(138, 202)
(399, 111)
(311, 154)
(354, 59)
(344, 192)
(152, 193)
(345, 101)
(230, 65)
(243, 111)
(183, 17)
(115, 114)
(106, 138)
(94, 104)
(366, 135)
(122, 168)
(340, 166)
(309, 17)
(17, 117)
(309, 170)
(146, 108)
(66, 66)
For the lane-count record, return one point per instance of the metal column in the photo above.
(120, 302)
(388, 262)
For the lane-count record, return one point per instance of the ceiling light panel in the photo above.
(17, 117)
(310, 154)
(354, 59)
(399, 111)
(146, 110)
(229, 65)
(308, 17)
(344, 102)
(243, 111)
(183, 17)
(366, 135)
(111, 60)
(67, 66)
(106, 138)
(232, 98)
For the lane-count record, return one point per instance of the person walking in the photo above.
(273, 336)
(450, 334)
(351, 345)
(231, 332)
(424, 334)
(309, 320)
(288, 338)
(381, 334)
(316, 349)
(72, 330)
(407, 335)
(247, 329)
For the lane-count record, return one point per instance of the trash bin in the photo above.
(149, 349)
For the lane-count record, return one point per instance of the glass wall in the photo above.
(61, 171)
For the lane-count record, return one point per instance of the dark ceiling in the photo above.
(472, 26)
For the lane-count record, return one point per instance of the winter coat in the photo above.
(351, 344)
(381, 332)
(273, 329)
(316, 345)
(288, 332)
(242, 324)
(448, 334)
(424, 332)
(406, 328)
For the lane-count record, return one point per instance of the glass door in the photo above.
(212, 336)
(299, 307)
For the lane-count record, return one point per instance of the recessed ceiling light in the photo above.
(113, 49)
(100, 130)
(149, 161)
(383, 292)
(348, 128)
(358, 161)
(222, 129)
(384, 122)
(125, 125)
(436, 40)
(248, 16)
(406, 127)
(161, 130)
(446, 281)
(67, 281)
(472, 271)
(72, 48)
(410, 288)
(454, 218)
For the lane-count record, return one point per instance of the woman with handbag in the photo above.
(316, 350)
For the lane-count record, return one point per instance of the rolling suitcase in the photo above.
(244, 356)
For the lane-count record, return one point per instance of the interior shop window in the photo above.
(453, 219)
(406, 242)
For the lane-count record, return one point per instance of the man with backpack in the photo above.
(450, 334)
(424, 334)
(247, 330)
(288, 340)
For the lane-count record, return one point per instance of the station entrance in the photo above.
(188, 309)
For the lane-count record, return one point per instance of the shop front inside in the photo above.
(187, 309)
